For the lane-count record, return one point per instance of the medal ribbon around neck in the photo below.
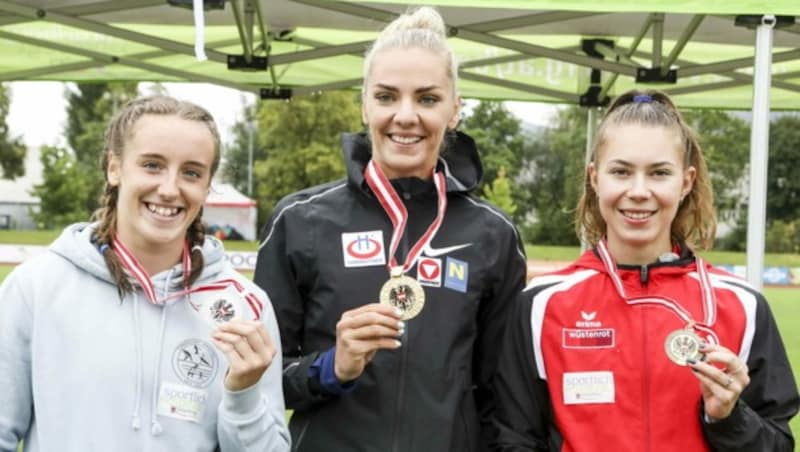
(709, 301)
(398, 214)
(135, 269)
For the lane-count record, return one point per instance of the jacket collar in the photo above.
(460, 161)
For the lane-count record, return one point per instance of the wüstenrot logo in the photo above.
(436, 252)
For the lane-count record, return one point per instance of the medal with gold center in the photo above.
(402, 291)
(683, 345)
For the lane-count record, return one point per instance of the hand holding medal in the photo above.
(360, 333)
(401, 291)
(248, 349)
(723, 376)
(233, 314)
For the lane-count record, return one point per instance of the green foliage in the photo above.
(236, 164)
(499, 193)
(783, 237)
(783, 185)
(502, 146)
(300, 142)
(725, 140)
(89, 110)
(12, 151)
(63, 178)
(557, 179)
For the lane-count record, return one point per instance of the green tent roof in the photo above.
(508, 49)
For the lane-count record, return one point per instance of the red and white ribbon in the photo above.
(709, 300)
(135, 269)
(398, 213)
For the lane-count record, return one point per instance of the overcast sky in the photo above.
(38, 108)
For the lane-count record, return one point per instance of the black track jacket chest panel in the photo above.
(426, 395)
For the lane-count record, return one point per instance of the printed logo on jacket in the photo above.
(588, 333)
(363, 249)
(195, 364)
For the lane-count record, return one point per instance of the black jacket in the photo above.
(433, 393)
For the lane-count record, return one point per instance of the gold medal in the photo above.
(404, 293)
(683, 345)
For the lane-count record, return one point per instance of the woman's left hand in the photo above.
(249, 350)
(721, 384)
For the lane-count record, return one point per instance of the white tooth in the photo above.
(405, 140)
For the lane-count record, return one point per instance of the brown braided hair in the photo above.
(695, 223)
(117, 134)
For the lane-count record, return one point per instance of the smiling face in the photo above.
(640, 179)
(163, 176)
(409, 103)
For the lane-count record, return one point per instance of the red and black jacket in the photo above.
(574, 338)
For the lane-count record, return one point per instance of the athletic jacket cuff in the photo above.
(242, 403)
(323, 370)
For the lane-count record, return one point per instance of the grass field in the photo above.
(785, 302)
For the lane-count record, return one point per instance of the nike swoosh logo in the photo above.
(435, 252)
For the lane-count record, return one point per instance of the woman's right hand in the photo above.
(360, 333)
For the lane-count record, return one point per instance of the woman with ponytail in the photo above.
(133, 332)
(640, 344)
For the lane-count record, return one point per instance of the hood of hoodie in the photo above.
(75, 245)
(459, 161)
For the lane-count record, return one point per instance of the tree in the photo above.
(499, 193)
(783, 185)
(89, 110)
(12, 151)
(300, 141)
(502, 145)
(236, 165)
(557, 179)
(62, 178)
(725, 140)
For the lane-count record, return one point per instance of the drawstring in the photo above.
(136, 424)
(155, 426)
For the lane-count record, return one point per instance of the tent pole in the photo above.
(759, 152)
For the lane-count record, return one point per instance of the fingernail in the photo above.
(401, 324)
(691, 361)
(401, 332)
(398, 343)
(703, 346)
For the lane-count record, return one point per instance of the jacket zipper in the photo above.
(401, 384)
(645, 384)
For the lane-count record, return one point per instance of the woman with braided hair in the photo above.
(144, 337)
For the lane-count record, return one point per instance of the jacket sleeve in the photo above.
(523, 402)
(16, 325)
(254, 419)
(507, 281)
(760, 420)
(278, 273)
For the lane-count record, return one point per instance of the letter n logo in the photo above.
(457, 274)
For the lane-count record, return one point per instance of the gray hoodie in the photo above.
(82, 370)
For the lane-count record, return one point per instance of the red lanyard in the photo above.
(709, 300)
(398, 214)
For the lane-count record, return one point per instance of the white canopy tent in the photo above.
(703, 53)
(226, 207)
